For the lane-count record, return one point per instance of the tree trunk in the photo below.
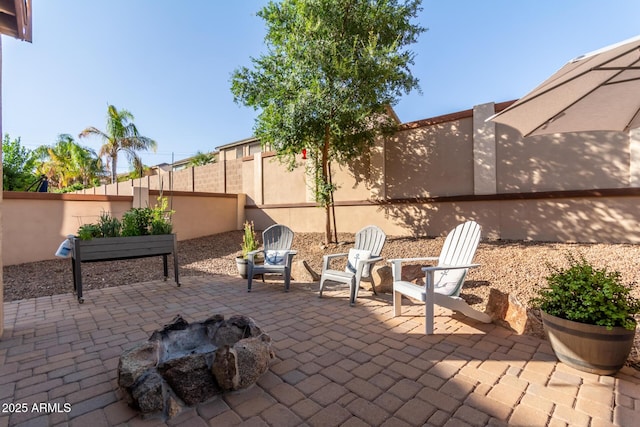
(325, 180)
(114, 168)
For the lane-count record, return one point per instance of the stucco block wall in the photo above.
(182, 180)
(575, 161)
(430, 161)
(153, 182)
(354, 181)
(247, 180)
(197, 216)
(34, 224)
(281, 186)
(34, 228)
(234, 176)
(435, 173)
(209, 178)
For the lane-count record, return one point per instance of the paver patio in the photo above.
(335, 364)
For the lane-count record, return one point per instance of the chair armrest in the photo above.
(252, 254)
(371, 260)
(290, 255)
(429, 276)
(396, 265)
(361, 264)
(449, 267)
(429, 258)
(326, 259)
(331, 256)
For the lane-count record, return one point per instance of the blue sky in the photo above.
(170, 62)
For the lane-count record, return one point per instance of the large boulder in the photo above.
(241, 365)
(302, 272)
(507, 311)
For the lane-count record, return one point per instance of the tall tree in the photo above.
(18, 165)
(66, 162)
(121, 135)
(332, 69)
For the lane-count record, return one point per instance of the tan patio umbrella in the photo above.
(596, 91)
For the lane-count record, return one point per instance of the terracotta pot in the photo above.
(588, 348)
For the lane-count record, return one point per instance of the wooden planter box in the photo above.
(589, 348)
(116, 248)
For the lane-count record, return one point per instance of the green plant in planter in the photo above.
(161, 217)
(249, 239)
(135, 222)
(585, 294)
(107, 226)
(88, 231)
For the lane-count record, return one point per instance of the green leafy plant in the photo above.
(108, 225)
(585, 294)
(88, 231)
(135, 222)
(161, 217)
(249, 239)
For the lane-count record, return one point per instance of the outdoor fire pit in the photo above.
(185, 364)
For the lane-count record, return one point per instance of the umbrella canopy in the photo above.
(596, 91)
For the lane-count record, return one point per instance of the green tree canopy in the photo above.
(201, 159)
(67, 163)
(121, 134)
(18, 165)
(332, 69)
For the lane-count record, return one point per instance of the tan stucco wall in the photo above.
(353, 181)
(562, 162)
(455, 155)
(430, 161)
(208, 177)
(34, 226)
(597, 219)
(248, 182)
(280, 185)
(197, 216)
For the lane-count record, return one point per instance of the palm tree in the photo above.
(201, 159)
(121, 135)
(67, 162)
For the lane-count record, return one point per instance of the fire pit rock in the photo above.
(190, 363)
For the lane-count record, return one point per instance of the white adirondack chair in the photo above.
(444, 281)
(360, 261)
(278, 256)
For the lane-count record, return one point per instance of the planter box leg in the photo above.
(175, 261)
(77, 279)
(165, 267)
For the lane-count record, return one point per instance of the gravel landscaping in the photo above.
(514, 267)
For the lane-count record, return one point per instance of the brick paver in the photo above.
(334, 365)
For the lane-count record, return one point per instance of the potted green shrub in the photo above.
(142, 232)
(588, 316)
(249, 243)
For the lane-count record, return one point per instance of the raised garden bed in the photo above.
(118, 248)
